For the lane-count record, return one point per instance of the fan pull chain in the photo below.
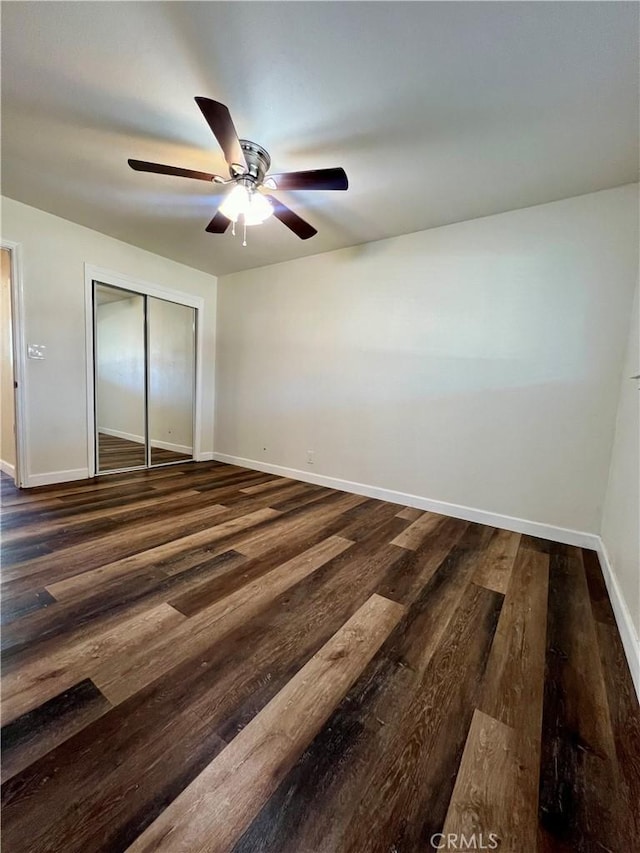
(233, 229)
(244, 242)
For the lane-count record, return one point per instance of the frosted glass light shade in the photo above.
(241, 202)
(259, 209)
(235, 203)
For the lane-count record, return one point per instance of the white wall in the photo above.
(54, 254)
(621, 518)
(475, 364)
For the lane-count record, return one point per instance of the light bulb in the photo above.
(235, 203)
(249, 204)
(258, 209)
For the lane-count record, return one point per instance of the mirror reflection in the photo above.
(120, 378)
(171, 372)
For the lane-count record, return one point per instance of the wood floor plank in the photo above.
(33, 629)
(141, 779)
(624, 708)
(21, 518)
(53, 498)
(37, 732)
(488, 799)
(416, 532)
(409, 513)
(290, 571)
(215, 809)
(324, 599)
(514, 681)
(358, 522)
(311, 495)
(513, 687)
(235, 477)
(494, 570)
(113, 599)
(65, 523)
(600, 604)
(405, 800)
(97, 487)
(223, 684)
(21, 552)
(260, 542)
(625, 723)
(17, 606)
(273, 483)
(118, 497)
(316, 802)
(33, 498)
(30, 686)
(580, 794)
(291, 496)
(103, 549)
(136, 522)
(120, 679)
(163, 552)
(405, 582)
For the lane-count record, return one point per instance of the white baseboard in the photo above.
(118, 433)
(628, 633)
(519, 525)
(139, 439)
(177, 448)
(51, 477)
(68, 476)
(206, 456)
(8, 468)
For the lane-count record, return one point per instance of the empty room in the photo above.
(320, 427)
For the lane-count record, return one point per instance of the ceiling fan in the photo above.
(248, 166)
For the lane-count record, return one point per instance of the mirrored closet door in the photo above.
(144, 379)
(171, 361)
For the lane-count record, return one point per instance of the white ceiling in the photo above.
(439, 112)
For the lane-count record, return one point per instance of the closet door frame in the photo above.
(143, 288)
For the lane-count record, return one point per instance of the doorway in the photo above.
(144, 379)
(8, 384)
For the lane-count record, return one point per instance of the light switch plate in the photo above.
(36, 351)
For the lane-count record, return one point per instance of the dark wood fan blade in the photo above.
(219, 120)
(314, 179)
(218, 224)
(160, 169)
(291, 219)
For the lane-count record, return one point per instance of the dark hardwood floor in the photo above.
(207, 658)
(115, 453)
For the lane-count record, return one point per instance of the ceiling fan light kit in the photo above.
(248, 165)
(246, 202)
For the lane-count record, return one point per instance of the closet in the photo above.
(144, 379)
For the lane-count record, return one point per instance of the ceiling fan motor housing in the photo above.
(258, 163)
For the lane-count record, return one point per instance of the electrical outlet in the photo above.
(309, 457)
